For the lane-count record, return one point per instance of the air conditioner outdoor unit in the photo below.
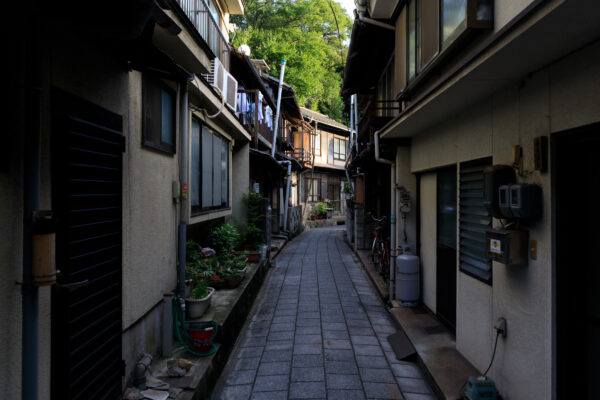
(220, 78)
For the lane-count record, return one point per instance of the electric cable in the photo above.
(489, 366)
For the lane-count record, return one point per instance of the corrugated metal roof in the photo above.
(323, 119)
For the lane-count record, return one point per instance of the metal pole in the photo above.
(356, 123)
(278, 107)
(183, 210)
(31, 203)
(287, 195)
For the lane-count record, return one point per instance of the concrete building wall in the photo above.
(241, 180)
(562, 96)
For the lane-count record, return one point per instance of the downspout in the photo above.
(183, 204)
(31, 204)
(351, 143)
(392, 165)
(278, 107)
(287, 193)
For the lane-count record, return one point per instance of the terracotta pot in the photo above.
(233, 282)
(217, 283)
(253, 256)
(313, 217)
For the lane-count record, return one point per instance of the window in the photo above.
(339, 149)
(312, 189)
(454, 19)
(158, 114)
(474, 220)
(412, 39)
(209, 169)
(317, 143)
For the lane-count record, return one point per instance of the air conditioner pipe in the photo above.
(287, 192)
(361, 8)
(278, 107)
(392, 215)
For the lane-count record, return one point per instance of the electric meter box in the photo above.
(494, 177)
(520, 201)
(508, 247)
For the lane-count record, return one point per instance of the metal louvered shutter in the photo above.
(474, 221)
(87, 197)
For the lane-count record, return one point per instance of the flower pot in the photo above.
(201, 334)
(233, 282)
(253, 256)
(197, 307)
(313, 217)
(217, 283)
(263, 252)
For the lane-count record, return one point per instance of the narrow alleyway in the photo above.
(318, 330)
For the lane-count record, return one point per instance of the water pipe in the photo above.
(392, 165)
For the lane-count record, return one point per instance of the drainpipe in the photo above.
(355, 123)
(392, 215)
(287, 192)
(361, 8)
(183, 207)
(351, 122)
(278, 107)
(31, 204)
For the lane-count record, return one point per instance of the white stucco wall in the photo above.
(428, 204)
(562, 96)
(241, 180)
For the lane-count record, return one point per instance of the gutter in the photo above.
(360, 12)
(392, 165)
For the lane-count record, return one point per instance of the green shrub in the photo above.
(200, 291)
(224, 239)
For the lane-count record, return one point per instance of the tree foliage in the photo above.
(305, 34)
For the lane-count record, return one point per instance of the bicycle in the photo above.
(380, 250)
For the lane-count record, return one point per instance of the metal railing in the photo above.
(304, 156)
(200, 15)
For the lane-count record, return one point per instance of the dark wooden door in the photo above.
(87, 198)
(577, 191)
(446, 247)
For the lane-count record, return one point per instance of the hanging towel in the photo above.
(260, 108)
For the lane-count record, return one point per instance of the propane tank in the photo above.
(407, 277)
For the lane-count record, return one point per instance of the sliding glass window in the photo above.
(209, 169)
(454, 20)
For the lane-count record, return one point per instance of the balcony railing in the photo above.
(201, 17)
(375, 115)
(256, 116)
(304, 156)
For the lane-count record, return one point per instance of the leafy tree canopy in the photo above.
(305, 34)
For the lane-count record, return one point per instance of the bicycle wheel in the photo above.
(385, 263)
(376, 254)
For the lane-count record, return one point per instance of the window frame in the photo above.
(309, 196)
(198, 210)
(152, 133)
(317, 139)
(340, 155)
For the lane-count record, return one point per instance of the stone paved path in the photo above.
(318, 331)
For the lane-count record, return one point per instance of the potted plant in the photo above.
(199, 300)
(224, 239)
(314, 211)
(321, 210)
(347, 190)
(233, 277)
(250, 237)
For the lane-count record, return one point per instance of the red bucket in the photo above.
(201, 335)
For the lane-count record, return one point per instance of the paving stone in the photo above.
(364, 340)
(310, 339)
(308, 330)
(341, 367)
(413, 385)
(381, 375)
(337, 344)
(339, 355)
(242, 377)
(307, 390)
(308, 349)
(361, 331)
(419, 396)
(268, 383)
(281, 335)
(371, 362)
(240, 392)
(275, 345)
(360, 323)
(247, 352)
(406, 370)
(278, 355)
(367, 350)
(334, 326)
(278, 395)
(340, 335)
(308, 374)
(343, 381)
(308, 322)
(284, 319)
(274, 368)
(382, 391)
(307, 360)
(288, 326)
(245, 363)
(335, 394)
